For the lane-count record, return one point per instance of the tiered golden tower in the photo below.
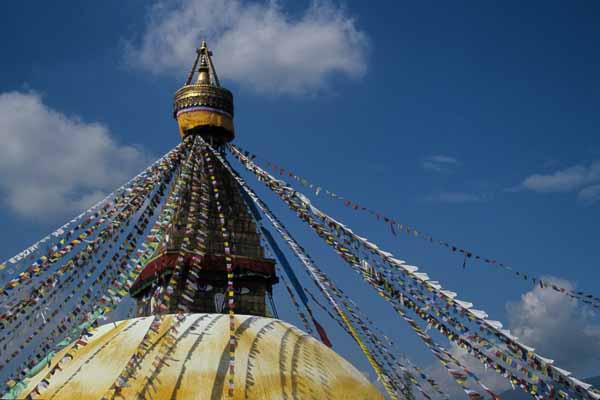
(205, 108)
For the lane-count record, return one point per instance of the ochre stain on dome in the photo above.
(189, 359)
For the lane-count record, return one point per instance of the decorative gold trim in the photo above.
(200, 95)
(197, 118)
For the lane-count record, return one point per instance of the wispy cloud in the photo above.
(52, 165)
(458, 197)
(584, 179)
(257, 44)
(589, 195)
(564, 180)
(439, 163)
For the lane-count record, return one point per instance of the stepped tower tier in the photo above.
(191, 262)
(190, 266)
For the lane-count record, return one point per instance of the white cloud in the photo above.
(564, 180)
(491, 379)
(557, 327)
(548, 321)
(457, 197)
(584, 179)
(256, 44)
(52, 165)
(439, 163)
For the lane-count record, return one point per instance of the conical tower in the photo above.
(195, 246)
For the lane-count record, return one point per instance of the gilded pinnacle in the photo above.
(202, 106)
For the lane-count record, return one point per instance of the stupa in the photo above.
(202, 329)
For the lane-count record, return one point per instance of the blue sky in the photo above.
(477, 123)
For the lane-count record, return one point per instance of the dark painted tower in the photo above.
(188, 271)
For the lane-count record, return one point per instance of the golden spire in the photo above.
(206, 71)
(204, 107)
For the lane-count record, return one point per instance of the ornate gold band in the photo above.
(194, 118)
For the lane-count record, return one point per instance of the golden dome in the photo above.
(186, 356)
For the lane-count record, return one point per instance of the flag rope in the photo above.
(209, 152)
(376, 367)
(586, 298)
(558, 377)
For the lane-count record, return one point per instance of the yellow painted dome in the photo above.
(186, 357)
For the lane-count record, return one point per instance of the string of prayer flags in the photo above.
(209, 153)
(184, 181)
(110, 293)
(454, 336)
(353, 261)
(82, 259)
(54, 244)
(316, 274)
(301, 315)
(101, 310)
(397, 227)
(360, 316)
(320, 279)
(445, 358)
(134, 364)
(188, 234)
(299, 289)
(110, 219)
(79, 309)
(553, 376)
(462, 332)
(168, 343)
(196, 227)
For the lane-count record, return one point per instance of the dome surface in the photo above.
(186, 357)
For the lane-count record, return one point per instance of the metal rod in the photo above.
(191, 75)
